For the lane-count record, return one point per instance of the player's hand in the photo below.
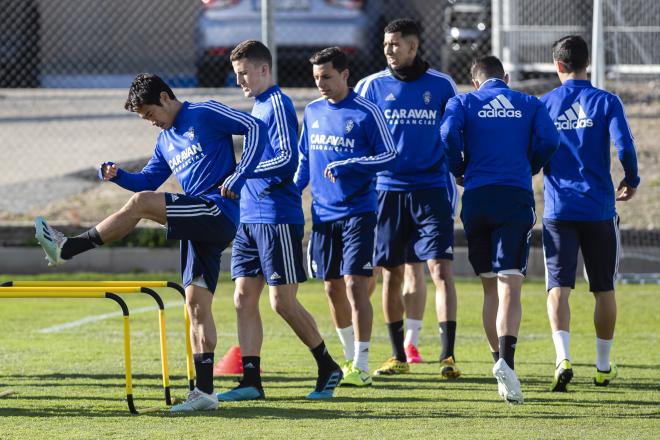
(328, 175)
(460, 181)
(624, 192)
(225, 192)
(108, 171)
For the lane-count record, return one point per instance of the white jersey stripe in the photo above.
(282, 131)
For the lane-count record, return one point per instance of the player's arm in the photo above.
(625, 145)
(301, 178)
(152, 176)
(379, 137)
(545, 139)
(282, 134)
(451, 134)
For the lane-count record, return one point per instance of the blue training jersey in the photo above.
(350, 139)
(413, 111)
(497, 136)
(199, 150)
(269, 195)
(578, 184)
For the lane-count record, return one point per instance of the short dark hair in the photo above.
(145, 90)
(333, 55)
(407, 27)
(572, 51)
(252, 50)
(488, 67)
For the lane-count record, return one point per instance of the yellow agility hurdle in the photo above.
(165, 284)
(12, 292)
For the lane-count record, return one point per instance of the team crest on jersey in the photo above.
(190, 134)
(427, 97)
(349, 125)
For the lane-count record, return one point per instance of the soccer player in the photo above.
(415, 216)
(195, 143)
(344, 142)
(496, 140)
(268, 244)
(579, 203)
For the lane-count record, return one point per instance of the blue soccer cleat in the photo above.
(326, 384)
(241, 393)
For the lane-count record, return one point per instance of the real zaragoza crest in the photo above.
(427, 97)
(349, 125)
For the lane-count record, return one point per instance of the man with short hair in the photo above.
(415, 212)
(580, 203)
(195, 143)
(268, 244)
(496, 140)
(344, 143)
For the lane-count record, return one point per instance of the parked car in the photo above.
(19, 43)
(301, 28)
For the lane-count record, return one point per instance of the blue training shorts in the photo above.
(599, 242)
(204, 233)
(342, 247)
(414, 226)
(498, 223)
(274, 251)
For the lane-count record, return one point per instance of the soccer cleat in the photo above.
(197, 401)
(501, 391)
(357, 378)
(346, 367)
(448, 368)
(326, 384)
(603, 378)
(392, 366)
(507, 379)
(412, 355)
(563, 375)
(51, 240)
(242, 392)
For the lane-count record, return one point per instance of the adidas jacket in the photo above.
(578, 185)
(350, 138)
(413, 111)
(497, 136)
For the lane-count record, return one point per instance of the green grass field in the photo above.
(69, 384)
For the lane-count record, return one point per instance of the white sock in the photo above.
(603, 348)
(413, 327)
(562, 339)
(346, 337)
(361, 360)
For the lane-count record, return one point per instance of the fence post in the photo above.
(268, 32)
(598, 47)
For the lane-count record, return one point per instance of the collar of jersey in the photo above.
(342, 103)
(263, 96)
(493, 83)
(180, 115)
(577, 83)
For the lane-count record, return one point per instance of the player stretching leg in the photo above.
(344, 142)
(579, 203)
(496, 140)
(268, 245)
(195, 143)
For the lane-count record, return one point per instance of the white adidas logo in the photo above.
(390, 97)
(499, 107)
(574, 117)
(315, 124)
(367, 266)
(170, 147)
(174, 198)
(449, 250)
(275, 276)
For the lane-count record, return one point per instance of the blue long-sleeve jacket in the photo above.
(497, 136)
(350, 139)
(199, 150)
(578, 184)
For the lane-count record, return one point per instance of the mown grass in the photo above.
(70, 383)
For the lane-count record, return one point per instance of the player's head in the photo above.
(252, 64)
(401, 42)
(570, 55)
(330, 70)
(153, 100)
(487, 67)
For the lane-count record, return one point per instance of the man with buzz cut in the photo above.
(415, 210)
(268, 244)
(344, 143)
(195, 143)
(497, 138)
(580, 203)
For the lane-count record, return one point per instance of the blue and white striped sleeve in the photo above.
(301, 178)
(381, 140)
(451, 133)
(282, 132)
(152, 176)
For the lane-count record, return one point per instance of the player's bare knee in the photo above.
(393, 275)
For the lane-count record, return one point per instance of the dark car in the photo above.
(19, 43)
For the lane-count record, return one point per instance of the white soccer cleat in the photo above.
(508, 384)
(197, 401)
(51, 240)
